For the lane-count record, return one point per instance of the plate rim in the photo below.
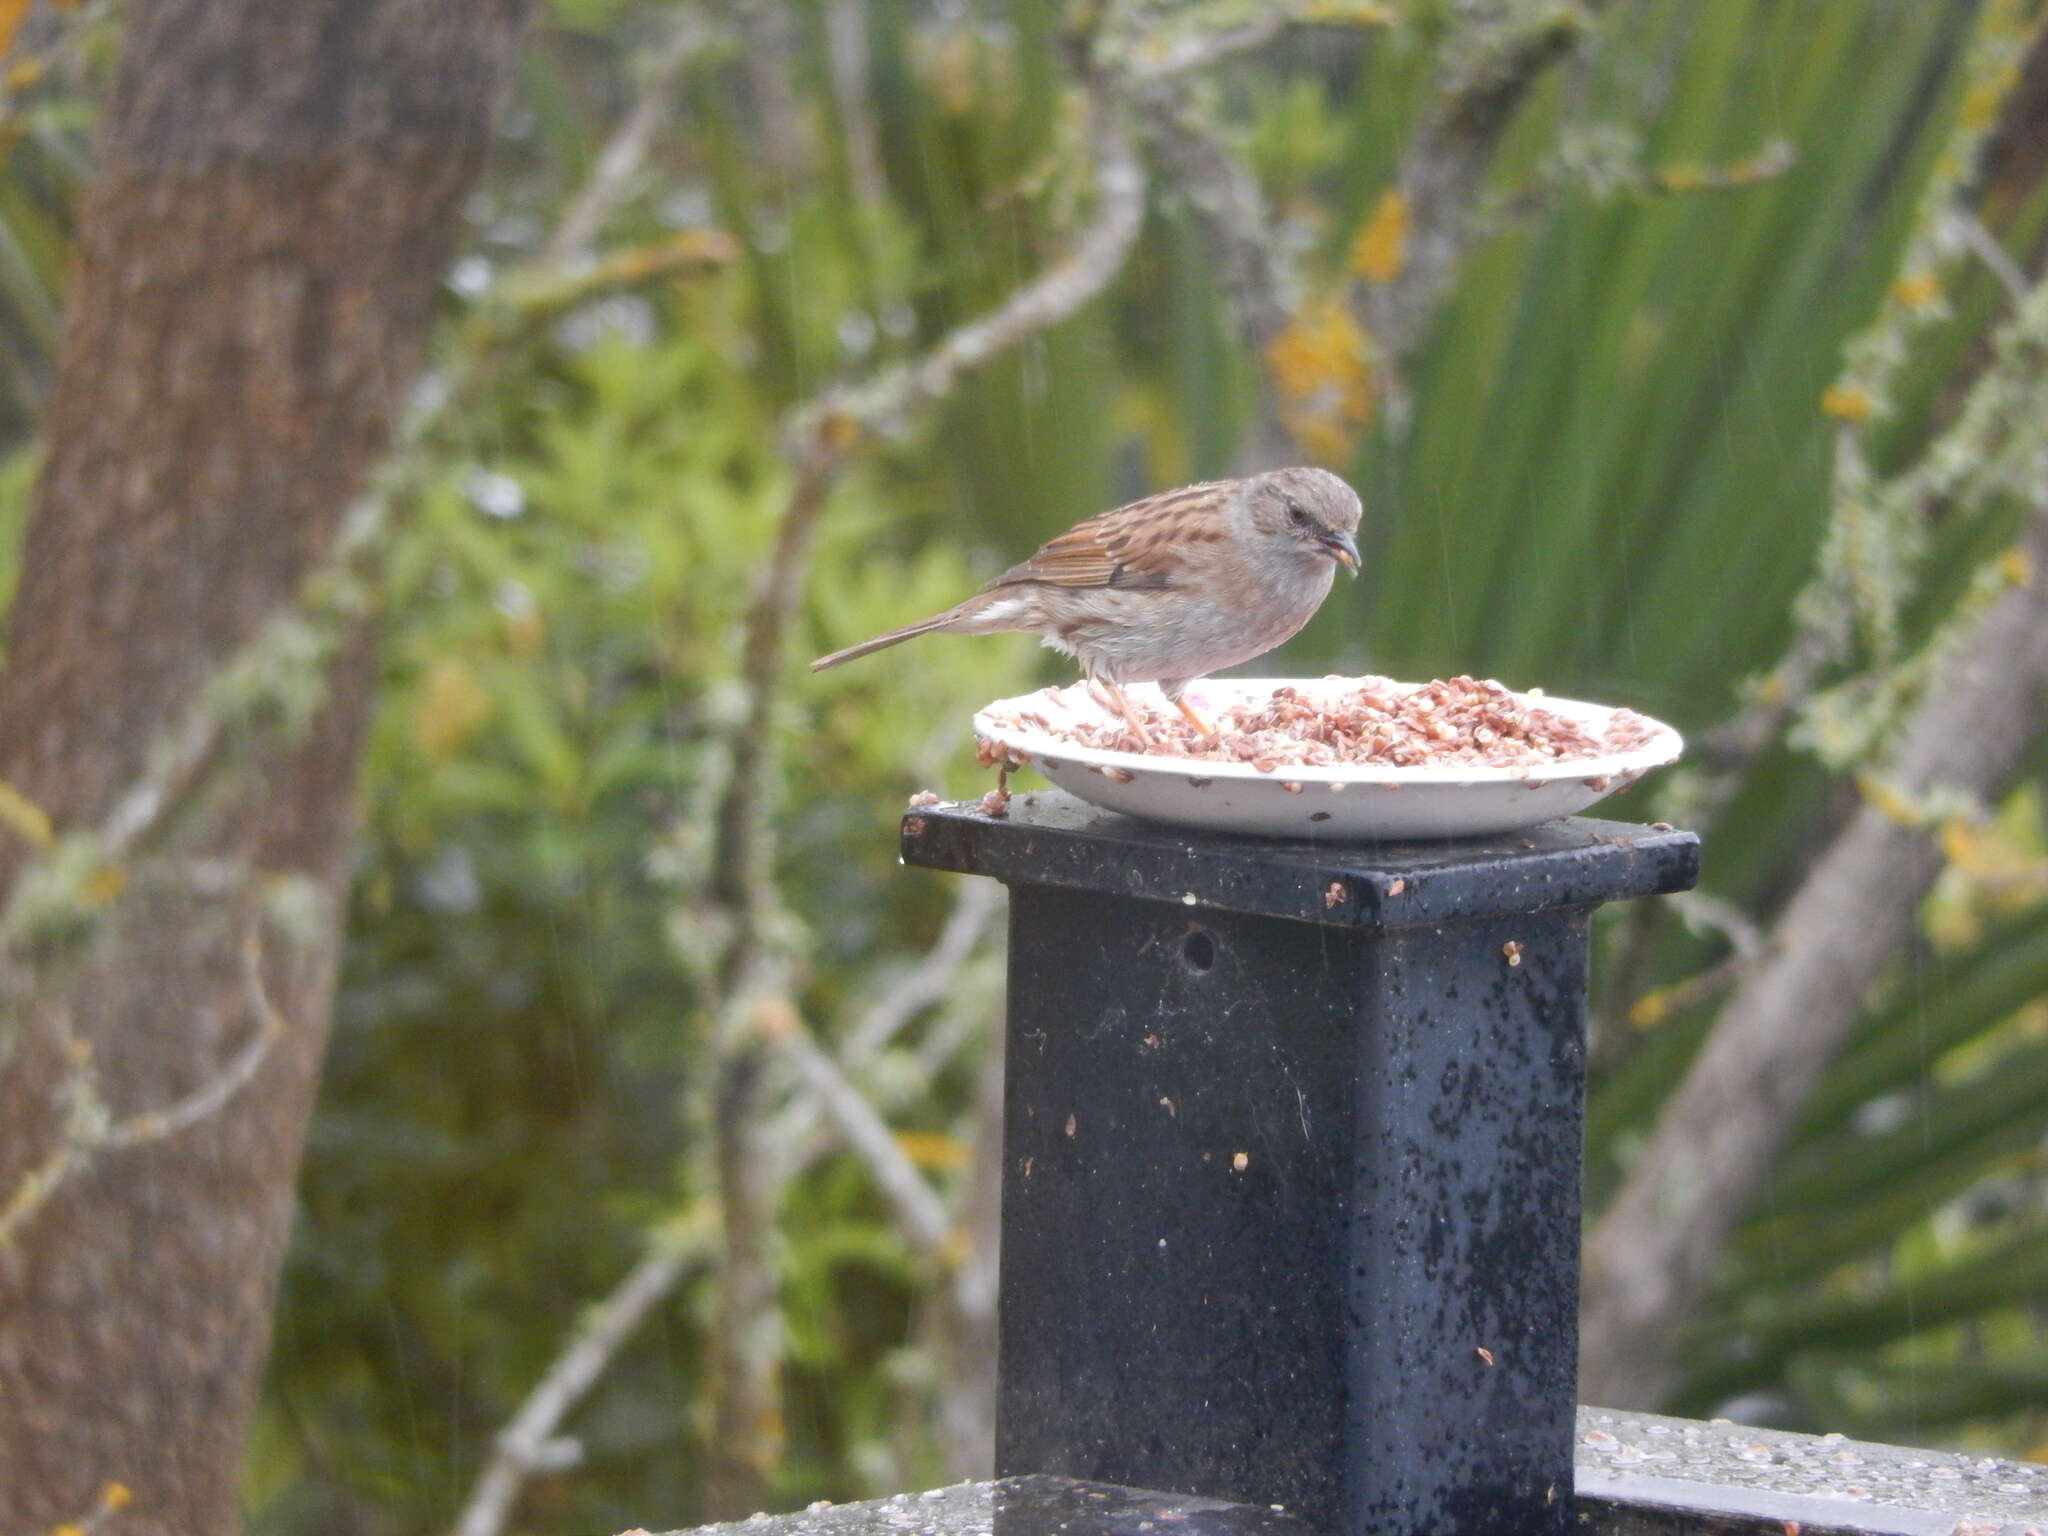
(1665, 747)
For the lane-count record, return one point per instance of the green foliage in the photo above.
(518, 1025)
(1607, 472)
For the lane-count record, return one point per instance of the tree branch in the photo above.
(752, 967)
(613, 171)
(919, 1210)
(528, 1443)
(1149, 55)
(1254, 268)
(1650, 1259)
(975, 904)
(1229, 207)
(1199, 50)
(212, 1096)
(1983, 245)
(1824, 611)
(820, 434)
(1983, 452)
(1492, 72)
(89, 1127)
(880, 406)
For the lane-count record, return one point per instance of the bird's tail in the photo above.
(884, 641)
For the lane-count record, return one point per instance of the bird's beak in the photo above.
(1343, 549)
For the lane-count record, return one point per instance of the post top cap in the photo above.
(1051, 838)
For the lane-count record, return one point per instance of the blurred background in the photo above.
(1687, 356)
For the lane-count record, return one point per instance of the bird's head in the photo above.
(1307, 513)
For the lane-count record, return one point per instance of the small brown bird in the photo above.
(1171, 588)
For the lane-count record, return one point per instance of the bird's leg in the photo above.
(1173, 690)
(1187, 712)
(1172, 693)
(1122, 706)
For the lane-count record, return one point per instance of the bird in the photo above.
(1170, 588)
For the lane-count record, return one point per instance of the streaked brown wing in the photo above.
(1139, 545)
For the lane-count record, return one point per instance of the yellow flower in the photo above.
(2016, 568)
(1321, 374)
(1349, 13)
(1380, 249)
(104, 884)
(1845, 402)
(839, 431)
(1917, 290)
(1890, 803)
(1681, 178)
(116, 1496)
(12, 12)
(1980, 105)
(25, 816)
(1651, 1009)
(931, 1151)
(448, 708)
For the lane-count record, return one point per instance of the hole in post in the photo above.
(1199, 949)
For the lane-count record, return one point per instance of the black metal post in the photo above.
(1292, 1158)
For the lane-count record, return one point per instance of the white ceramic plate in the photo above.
(1461, 800)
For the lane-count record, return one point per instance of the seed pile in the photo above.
(1375, 723)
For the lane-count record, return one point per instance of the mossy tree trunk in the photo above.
(278, 193)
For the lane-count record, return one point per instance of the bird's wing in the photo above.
(1144, 544)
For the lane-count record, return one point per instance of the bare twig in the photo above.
(1609, 165)
(931, 979)
(820, 433)
(975, 904)
(1983, 245)
(1984, 450)
(846, 59)
(1703, 986)
(1256, 270)
(1970, 449)
(275, 678)
(89, 1127)
(113, 1498)
(919, 1210)
(1151, 46)
(1746, 946)
(1507, 50)
(83, 1118)
(1650, 1259)
(949, 1032)
(881, 406)
(966, 1409)
(1701, 909)
(528, 1444)
(613, 172)
(1199, 50)
(752, 966)
(213, 1095)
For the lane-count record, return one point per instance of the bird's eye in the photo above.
(1297, 514)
